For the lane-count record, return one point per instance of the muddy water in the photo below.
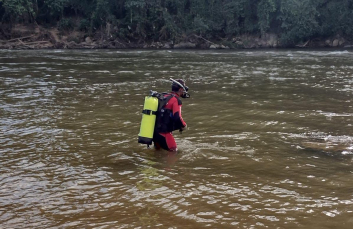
(69, 156)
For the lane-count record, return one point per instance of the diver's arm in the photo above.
(179, 122)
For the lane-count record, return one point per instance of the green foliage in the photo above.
(80, 7)
(65, 24)
(249, 14)
(84, 25)
(233, 16)
(292, 20)
(298, 20)
(200, 25)
(336, 17)
(51, 11)
(101, 13)
(264, 10)
(169, 30)
(2, 10)
(136, 9)
(55, 7)
(18, 10)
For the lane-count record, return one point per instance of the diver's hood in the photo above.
(185, 88)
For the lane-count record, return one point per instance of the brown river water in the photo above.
(69, 156)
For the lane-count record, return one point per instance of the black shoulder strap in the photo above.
(179, 101)
(165, 100)
(169, 98)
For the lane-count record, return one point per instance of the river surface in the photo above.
(69, 156)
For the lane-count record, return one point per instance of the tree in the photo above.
(336, 16)
(264, 10)
(19, 10)
(299, 20)
(101, 14)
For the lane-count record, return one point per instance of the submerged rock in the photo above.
(334, 144)
(328, 147)
(88, 40)
(335, 43)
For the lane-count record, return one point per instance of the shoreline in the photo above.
(187, 49)
(47, 45)
(25, 37)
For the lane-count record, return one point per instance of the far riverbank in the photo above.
(37, 37)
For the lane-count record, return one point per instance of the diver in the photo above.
(169, 117)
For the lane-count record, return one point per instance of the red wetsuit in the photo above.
(163, 139)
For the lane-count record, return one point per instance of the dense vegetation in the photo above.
(163, 20)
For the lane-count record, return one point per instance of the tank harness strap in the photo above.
(149, 112)
(168, 98)
(165, 100)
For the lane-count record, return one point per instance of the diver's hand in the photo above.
(183, 128)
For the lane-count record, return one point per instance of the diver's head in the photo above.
(179, 87)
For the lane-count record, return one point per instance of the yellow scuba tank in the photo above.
(148, 121)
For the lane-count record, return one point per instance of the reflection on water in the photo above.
(269, 143)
